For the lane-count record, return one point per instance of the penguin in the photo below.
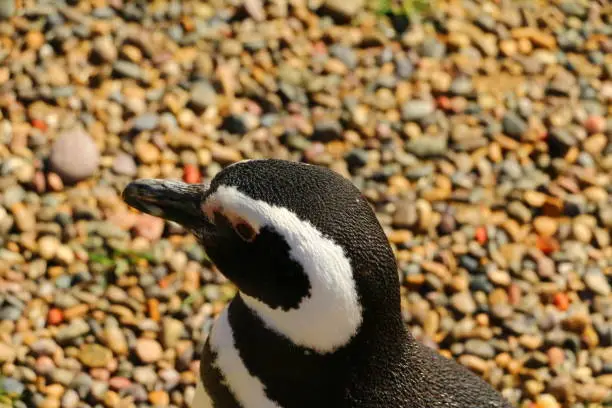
(316, 321)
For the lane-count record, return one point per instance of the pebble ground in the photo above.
(480, 131)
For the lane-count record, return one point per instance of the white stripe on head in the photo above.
(331, 315)
(201, 399)
(247, 389)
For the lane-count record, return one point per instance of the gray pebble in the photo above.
(433, 48)
(417, 109)
(461, 86)
(10, 313)
(480, 348)
(127, 69)
(327, 130)
(486, 22)
(146, 121)
(170, 377)
(11, 386)
(416, 173)
(426, 146)
(136, 391)
(404, 68)
(82, 384)
(514, 125)
(7, 9)
(75, 329)
(44, 347)
(13, 195)
(519, 211)
(202, 95)
(103, 12)
(344, 54)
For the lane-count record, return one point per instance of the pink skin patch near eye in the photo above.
(242, 227)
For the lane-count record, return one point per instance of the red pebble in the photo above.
(443, 102)
(561, 301)
(481, 235)
(191, 174)
(55, 316)
(164, 282)
(548, 245)
(39, 124)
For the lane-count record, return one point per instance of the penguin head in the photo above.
(300, 242)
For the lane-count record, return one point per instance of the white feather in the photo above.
(247, 389)
(201, 399)
(332, 314)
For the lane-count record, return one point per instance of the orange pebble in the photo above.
(55, 316)
(39, 124)
(548, 245)
(153, 305)
(561, 301)
(556, 356)
(164, 282)
(481, 235)
(443, 102)
(191, 174)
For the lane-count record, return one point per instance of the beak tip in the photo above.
(135, 194)
(130, 192)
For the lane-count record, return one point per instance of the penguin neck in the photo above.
(260, 363)
(381, 342)
(324, 320)
(335, 313)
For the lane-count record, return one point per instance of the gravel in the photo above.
(480, 133)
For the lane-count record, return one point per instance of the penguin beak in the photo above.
(172, 200)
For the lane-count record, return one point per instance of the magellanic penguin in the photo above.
(316, 321)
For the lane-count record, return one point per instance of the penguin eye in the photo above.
(240, 226)
(245, 231)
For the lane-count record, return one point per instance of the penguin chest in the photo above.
(225, 380)
(201, 398)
